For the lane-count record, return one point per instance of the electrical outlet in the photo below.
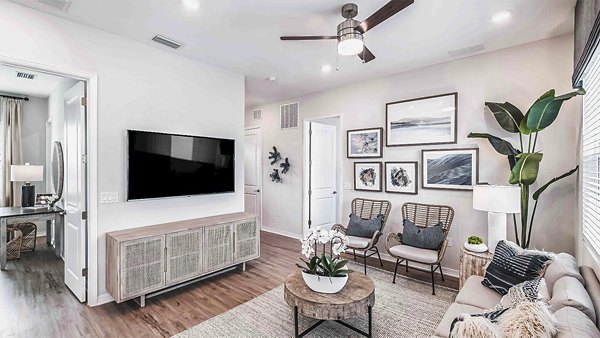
(450, 242)
(109, 197)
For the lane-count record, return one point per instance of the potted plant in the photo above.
(326, 273)
(475, 244)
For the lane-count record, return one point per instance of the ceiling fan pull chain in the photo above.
(337, 62)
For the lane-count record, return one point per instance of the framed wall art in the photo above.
(426, 120)
(402, 177)
(365, 143)
(452, 169)
(367, 176)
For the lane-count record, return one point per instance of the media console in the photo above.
(146, 261)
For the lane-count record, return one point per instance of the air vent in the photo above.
(167, 42)
(27, 76)
(289, 116)
(61, 5)
(257, 114)
(465, 51)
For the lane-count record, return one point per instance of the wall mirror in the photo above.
(58, 169)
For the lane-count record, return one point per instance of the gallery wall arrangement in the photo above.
(424, 121)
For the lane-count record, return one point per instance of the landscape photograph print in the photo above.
(401, 177)
(427, 120)
(365, 143)
(367, 176)
(454, 169)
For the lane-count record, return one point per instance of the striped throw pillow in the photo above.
(511, 265)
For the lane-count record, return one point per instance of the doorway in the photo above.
(322, 172)
(253, 171)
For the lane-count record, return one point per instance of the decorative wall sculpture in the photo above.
(275, 176)
(285, 165)
(274, 155)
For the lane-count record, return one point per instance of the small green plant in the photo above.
(474, 240)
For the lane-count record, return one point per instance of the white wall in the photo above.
(33, 135)
(139, 87)
(519, 75)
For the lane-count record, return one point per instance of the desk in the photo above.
(14, 215)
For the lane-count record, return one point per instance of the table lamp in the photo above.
(497, 200)
(27, 173)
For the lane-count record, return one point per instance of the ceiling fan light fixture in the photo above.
(350, 41)
(350, 47)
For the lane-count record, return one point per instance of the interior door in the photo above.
(75, 191)
(323, 179)
(253, 172)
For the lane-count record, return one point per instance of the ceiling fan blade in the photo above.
(366, 55)
(309, 37)
(384, 13)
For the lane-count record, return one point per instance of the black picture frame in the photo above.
(378, 176)
(379, 144)
(414, 183)
(474, 169)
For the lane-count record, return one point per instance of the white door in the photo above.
(323, 179)
(75, 191)
(253, 172)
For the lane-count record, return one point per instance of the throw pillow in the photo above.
(359, 227)
(425, 238)
(528, 291)
(481, 325)
(529, 319)
(511, 265)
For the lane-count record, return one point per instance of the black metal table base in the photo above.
(312, 327)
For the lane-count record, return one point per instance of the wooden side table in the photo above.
(472, 263)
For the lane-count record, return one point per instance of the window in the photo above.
(591, 157)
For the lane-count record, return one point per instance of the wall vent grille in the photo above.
(61, 5)
(465, 51)
(257, 114)
(289, 115)
(27, 76)
(167, 42)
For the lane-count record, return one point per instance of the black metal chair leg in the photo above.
(380, 261)
(432, 282)
(396, 270)
(354, 251)
(365, 262)
(407, 266)
(441, 272)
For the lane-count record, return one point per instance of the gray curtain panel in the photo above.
(10, 115)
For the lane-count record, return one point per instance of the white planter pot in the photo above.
(476, 247)
(323, 284)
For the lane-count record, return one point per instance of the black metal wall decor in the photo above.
(275, 176)
(285, 165)
(274, 156)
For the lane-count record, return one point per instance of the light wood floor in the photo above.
(34, 301)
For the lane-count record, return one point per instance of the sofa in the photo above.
(574, 294)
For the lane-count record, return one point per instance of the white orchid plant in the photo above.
(327, 264)
(48, 200)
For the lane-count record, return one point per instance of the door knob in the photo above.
(257, 190)
(334, 192)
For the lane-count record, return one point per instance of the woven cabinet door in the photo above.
(218, 246)
(184, 255)
(246, 239)
(142, 264)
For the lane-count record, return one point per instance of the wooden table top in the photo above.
(352, 301)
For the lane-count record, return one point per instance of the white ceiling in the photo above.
(41, 86)
(243, 36)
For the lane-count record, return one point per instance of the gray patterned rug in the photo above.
(404, 309)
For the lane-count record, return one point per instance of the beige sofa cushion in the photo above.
(573, 323)
(414, 254)
(475, 294)
(358, 242)
(568, 291)
(455, 309)
(563, 265)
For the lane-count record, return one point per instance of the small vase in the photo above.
(476, 247)
(323, 284)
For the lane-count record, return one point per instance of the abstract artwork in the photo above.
(367, 176)
(365, 143)
(428, 120)
(454, 169)
(402, 177)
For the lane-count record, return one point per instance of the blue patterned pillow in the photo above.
(425, 238)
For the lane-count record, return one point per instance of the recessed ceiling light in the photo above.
(192, 5)
(502, 17)
(272, 79)
(325, 68)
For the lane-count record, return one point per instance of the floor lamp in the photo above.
(497, 200)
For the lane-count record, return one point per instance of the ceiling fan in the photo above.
(350, 32)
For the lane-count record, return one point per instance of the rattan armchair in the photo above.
(422, 215)
(367, 209)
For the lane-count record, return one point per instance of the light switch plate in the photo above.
(109, 197)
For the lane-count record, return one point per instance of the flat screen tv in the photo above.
(168, 165)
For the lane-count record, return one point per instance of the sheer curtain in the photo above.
(10, 117)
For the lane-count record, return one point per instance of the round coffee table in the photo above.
(355, 300)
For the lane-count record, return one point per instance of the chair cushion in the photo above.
(455, 309)
(568, 291)
(414, 254)
(563, 265)
(358, 242)
(474, 294)
(423, 237)
(573, 323)
(510, 266)
(359, 227)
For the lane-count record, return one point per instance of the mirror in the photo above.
(58, 169)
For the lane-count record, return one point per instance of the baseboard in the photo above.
(104, 298)
(282, 233)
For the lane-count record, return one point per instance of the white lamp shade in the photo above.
(350, 47)
(497, 198)
(26, 173)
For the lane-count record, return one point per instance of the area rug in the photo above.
(404, 309)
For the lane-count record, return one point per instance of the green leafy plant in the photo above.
(524, 162)
(325, 266)
(474, 240)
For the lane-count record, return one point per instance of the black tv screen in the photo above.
(167, 165)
